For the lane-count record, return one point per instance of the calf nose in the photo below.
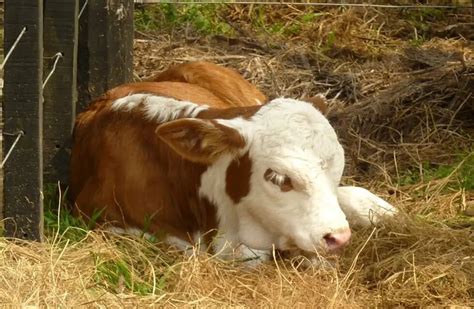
(338, 239)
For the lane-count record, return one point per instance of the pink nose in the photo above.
(337, 240)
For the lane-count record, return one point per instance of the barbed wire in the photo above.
(18, 136)
(82, 9)
(20, 133)
(58, 56)
(305, 3)
(13, 47)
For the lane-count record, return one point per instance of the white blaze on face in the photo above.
(297, 163)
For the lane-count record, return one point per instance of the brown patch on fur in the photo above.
(238, 178)
(245, 112)
(318, 102)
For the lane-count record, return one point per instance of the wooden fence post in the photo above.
(105, 57)
(60, 92)
(22, 112)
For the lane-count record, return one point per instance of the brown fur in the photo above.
(236, 182)
(134, 176)
(225, 83)
(318, 102)
(178, 90)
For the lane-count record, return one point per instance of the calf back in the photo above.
(225, 83)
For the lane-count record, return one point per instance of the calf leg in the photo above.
(228, 247)
(362, 207)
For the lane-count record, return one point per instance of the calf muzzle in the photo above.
(338, 239)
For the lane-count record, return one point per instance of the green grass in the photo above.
(461, 173)
(122, 274)
(204, 19)
(445, 179)
(59, 220)
(138, 265)
(208, 19)
(263, 23)
(421, 21)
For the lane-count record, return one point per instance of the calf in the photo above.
(238, 179)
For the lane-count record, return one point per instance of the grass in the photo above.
(410, 261)
(203, 19)
(458, 175)
(210, 19)
(128, 274)
(58, 218)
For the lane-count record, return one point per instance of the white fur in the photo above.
(362, 207)
(160, 109)
(213, 188)
(185, 246)
(294, 139)
(178, 243)
(129, 231)
(182, 245)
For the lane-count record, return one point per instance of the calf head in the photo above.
(272, 175)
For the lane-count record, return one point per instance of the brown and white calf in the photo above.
(175, 157)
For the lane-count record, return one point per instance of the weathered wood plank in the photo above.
(105, 57)
(22, 111)
(60, 92)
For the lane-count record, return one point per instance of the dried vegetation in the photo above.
(400, 85)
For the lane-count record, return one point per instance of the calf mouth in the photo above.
(290, 245)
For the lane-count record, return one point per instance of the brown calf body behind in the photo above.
(121, 169)
(225, 83)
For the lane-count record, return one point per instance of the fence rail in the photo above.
(47, 41)
(22, 112)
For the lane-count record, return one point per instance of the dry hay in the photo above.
(392, 100)
(407, 262)
(394, 105)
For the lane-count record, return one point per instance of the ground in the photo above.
(400, 84)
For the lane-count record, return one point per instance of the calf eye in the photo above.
(283, 181)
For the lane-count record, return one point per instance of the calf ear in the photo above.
(319, 102)
(201, 141)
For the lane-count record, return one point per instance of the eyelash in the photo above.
(283, 181)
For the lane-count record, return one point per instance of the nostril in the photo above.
(337, 240)
(330, 240)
